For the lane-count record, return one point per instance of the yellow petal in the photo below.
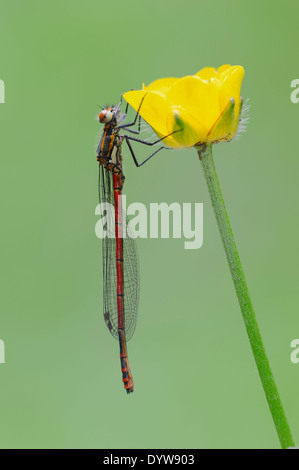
(223, 68)
(198, 97)
(154, 110)
(229, 71)
(161, 86)
(231, 85)
(134, 97)
(230, 88)
(206, 73)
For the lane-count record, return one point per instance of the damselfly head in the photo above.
(106, 115)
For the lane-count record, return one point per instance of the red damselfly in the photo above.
(120, 266)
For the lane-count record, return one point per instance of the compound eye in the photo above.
(105, 116)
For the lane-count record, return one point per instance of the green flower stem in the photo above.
(254, 335)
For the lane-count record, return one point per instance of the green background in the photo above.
(196, 383)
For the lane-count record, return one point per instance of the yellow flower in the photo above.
(196, 109)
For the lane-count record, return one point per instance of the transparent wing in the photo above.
(131, 272)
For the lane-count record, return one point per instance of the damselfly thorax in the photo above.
(109, 148)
